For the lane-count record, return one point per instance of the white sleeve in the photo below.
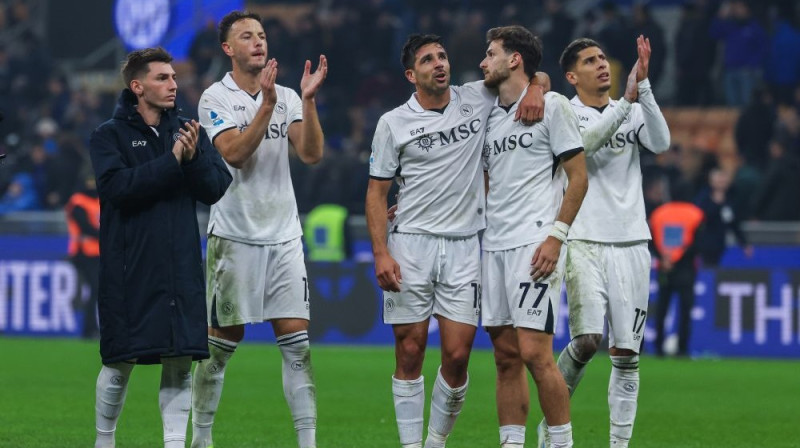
(562, 125)
(295, 106)
(385, 159)
(654, 136)
(214, 116)
(596, 135)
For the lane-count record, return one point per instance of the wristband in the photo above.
(559, 231)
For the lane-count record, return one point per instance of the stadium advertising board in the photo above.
(751, 311)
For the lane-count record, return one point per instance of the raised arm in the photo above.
(235, 146)
(654, 135)
(596, 135)
(306, 136)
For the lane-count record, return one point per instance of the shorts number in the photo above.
(526, 286)
(476, 293)
(640, 314)
(305, 289)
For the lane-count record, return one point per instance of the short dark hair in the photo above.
(518, 39)
(413, 44)
(232, 17)
(137, 62)
(570, 55)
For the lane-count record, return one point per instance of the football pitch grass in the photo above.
(47, 391)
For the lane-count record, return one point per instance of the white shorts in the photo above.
(511, 297)
(441, 276)
(254, 283)
(608, 280)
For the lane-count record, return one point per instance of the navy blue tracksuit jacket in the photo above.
(152, 290)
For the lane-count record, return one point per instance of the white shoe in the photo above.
(543, 434)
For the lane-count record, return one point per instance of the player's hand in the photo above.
(311, 82)
(267, 81)
(531, 108)
(391, 213)
(186, 144)
(545, 259)
(387, 271)
(643, 49)
(632, 86)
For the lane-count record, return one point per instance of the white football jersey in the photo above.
(436, 157)
(521, 204)
(613, 208)
(259, 206)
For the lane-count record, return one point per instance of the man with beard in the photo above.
(255, 267)
(523, 246)
(430, 265)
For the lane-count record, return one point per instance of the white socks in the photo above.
(298, 385)
(112, 384)
(623, 392)
(560, 436)
(571, 368)
(512, 436)
(409, 403)
(446, 404)
(209, 376)
(175, 398)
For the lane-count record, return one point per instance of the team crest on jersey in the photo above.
(465, 110)
(425, 142)
(216, 120)
(487, 149)
(280, 107)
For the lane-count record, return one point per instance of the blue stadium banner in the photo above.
(752, 310)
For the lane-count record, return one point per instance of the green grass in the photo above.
(47, 400)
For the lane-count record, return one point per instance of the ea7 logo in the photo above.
(238, 107)
(137, 143)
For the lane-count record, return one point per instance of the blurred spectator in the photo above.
(674, 226)
(466, 47)
(205, 55)
(754, 128)
(556, 31)
(776, 199)
(83, 223)
(782, 70)
(745, 49)
(694, 55)
(20, 195)
(643, 24)
(722, 223)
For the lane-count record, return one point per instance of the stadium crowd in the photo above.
(735, 102)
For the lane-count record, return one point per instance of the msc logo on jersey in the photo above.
(280, 107)
(216, 120)
(425, 142)
(465, 110)
(452, 135)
